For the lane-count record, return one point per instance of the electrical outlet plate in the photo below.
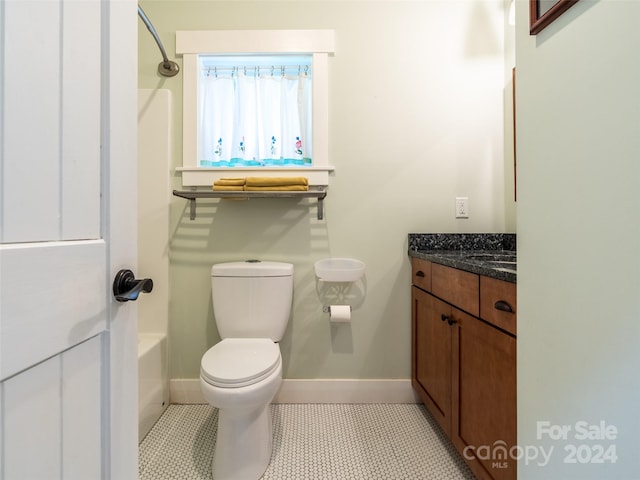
(462, 207)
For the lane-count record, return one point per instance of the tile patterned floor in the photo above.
(311, 441)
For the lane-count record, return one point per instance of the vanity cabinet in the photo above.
(464, 362)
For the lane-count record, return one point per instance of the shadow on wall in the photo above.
(282, 227)
(342, 294)
(275, 229)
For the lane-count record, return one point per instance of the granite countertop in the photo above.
(490, 254)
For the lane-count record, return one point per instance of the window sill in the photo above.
(200, 177)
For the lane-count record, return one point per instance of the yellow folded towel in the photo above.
(228, 188)
(230, 181)
(277, 188)
(275, 181)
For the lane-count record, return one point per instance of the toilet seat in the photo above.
(238, 362)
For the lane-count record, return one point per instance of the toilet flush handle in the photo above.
(126, 287)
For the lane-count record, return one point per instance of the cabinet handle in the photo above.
(444, 317)
(504, 306)
(419, 273)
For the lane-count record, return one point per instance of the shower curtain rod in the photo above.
(166, 68)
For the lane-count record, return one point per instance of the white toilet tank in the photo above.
(252, 299)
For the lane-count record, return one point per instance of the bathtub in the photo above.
(153, 380)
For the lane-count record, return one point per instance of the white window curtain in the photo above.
(259, 117)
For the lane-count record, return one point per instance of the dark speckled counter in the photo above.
(490, 254)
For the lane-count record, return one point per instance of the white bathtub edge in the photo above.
(153, 381)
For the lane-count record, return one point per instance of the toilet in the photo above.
(242, 373)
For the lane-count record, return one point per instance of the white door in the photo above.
(68, 366)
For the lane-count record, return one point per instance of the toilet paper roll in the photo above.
(339, 313)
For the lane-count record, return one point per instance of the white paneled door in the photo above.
(68, 350)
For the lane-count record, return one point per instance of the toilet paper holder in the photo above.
(327, 308)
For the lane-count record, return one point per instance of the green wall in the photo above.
(416, 119)
(578, 235)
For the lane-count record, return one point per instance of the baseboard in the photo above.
(316, 391)
(185, 390)
(346, 391)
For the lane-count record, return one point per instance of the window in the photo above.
(212, 148)
(255, 110)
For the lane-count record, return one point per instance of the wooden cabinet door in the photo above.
(484, 397)
(432, 355)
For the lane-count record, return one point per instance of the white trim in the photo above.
(328, 168)
(190, 113)
(194, 176)
(185, 390)
(316, 391)
(254, 41)
(346, 391)
(320, 113)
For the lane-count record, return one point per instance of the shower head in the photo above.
(166, 68)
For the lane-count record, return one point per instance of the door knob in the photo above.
(126, 287)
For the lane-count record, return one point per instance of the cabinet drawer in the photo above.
(457, 287)
(498, 303)
(421, 273)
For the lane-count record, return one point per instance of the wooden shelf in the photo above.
(319, 192)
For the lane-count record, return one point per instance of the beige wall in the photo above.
(416, 119)
(578, 235)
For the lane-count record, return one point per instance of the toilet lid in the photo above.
(238, 362)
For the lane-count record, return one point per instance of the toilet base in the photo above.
(245, 438)
(243, 445)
